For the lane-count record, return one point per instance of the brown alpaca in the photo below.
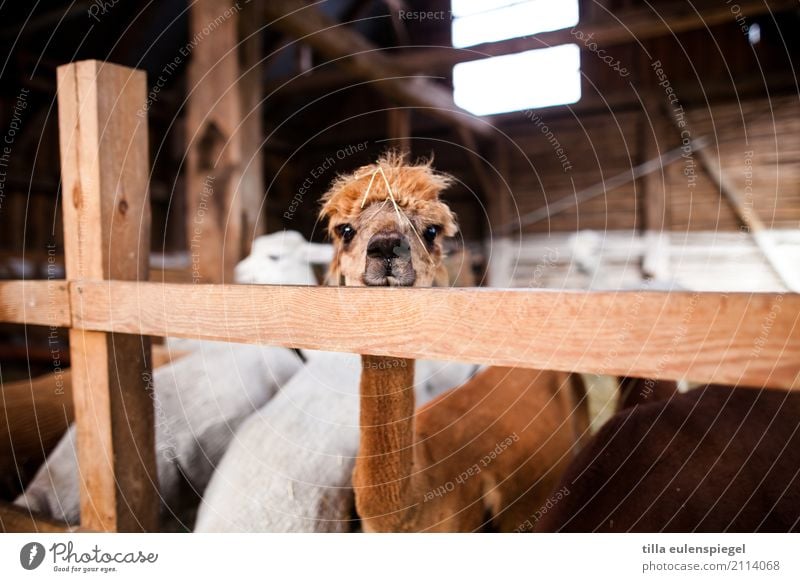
(715, 459)
(640, 391)
(482, 456)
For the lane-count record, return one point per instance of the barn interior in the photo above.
(594, 144)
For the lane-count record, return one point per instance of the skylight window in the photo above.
(477, 21)
(531, 79)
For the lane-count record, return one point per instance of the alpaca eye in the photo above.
(346, 231)
(430, 233)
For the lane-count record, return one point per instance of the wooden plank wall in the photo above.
(601, 146)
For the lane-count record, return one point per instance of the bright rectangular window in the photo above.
(531, 79)
(478, 21)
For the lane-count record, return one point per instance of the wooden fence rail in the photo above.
(35, 303)
(749, 339)
(734, 338)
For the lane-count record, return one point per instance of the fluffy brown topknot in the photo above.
(416, 187)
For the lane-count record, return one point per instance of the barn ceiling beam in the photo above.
(364, 60)
(633, 25)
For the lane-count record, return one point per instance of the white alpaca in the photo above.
(199, 402)
(282, 258)
(289, 467)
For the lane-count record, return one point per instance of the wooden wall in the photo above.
(757, 141)
(602, 135)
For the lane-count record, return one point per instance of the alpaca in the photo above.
(199, 402)
(638, 391)
(289, 467)
(477, 457)
(35, 414)
(282, 258)
(714, 459)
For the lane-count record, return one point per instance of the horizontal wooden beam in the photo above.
(15, 519)
(633, 25)
(356, 55)
(35, 302)
(734, 338)
(629, 26)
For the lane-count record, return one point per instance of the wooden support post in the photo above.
(251, 131)
(499, 247)
(655, 220)
(488, 184)
(104, 175)
(399, 128)
(223, 182)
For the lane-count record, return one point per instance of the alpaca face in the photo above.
(387, 224)
(381, 248)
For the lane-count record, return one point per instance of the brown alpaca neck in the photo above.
(382, 476)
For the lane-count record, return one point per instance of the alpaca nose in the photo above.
(387, 246)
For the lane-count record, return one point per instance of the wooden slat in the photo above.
(104, 169)
(35, 303)
(752, 339)
(17, 520)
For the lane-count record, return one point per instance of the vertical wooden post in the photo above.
(655, 216)
(251, 132)
(223, 131)
(399, 128)
(104, 176)
(499, 247)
